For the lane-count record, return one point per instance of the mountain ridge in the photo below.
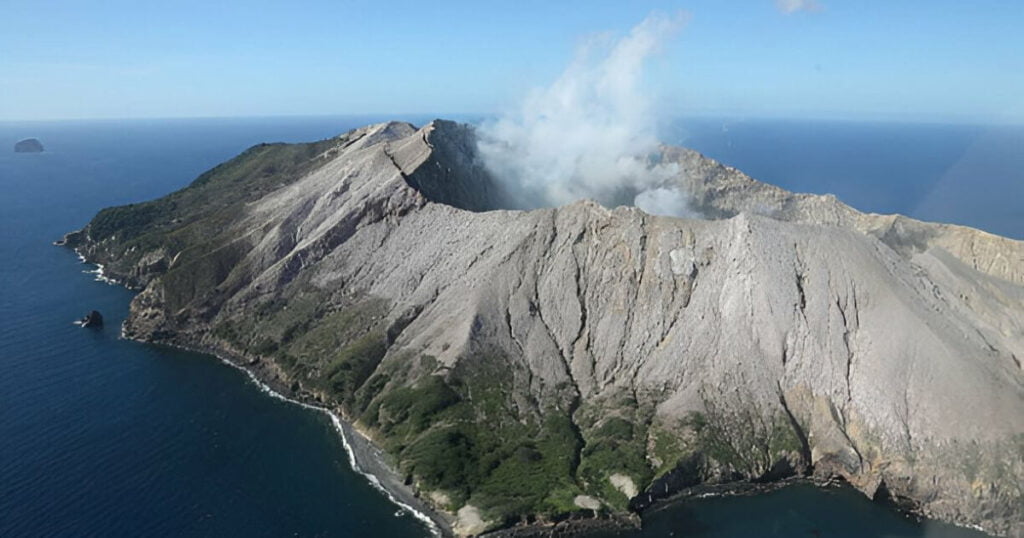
(605, 354)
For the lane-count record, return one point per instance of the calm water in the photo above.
(100, 436)
(798, 511)
(971, 175)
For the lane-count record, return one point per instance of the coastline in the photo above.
(371, 462)
(364, 457)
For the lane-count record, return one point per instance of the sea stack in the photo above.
(92, 319)
(28, 145)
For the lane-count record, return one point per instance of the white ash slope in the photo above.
(895, 346)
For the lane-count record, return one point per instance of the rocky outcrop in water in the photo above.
(92, 319)
(515, 362)
(29, 145)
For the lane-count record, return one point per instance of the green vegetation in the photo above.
(194, 217)
(460, 431)
(743, 441)
(129, 220)
(445, 459)
(200, 277)
(406, 411)
(615, 446)
(353, 365)
(462, 436)
(535, 475)
(713, 442)
(668, 449)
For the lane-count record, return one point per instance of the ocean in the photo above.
(101, 436)
(962, 174)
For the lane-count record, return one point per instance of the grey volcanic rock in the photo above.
(785, 334)
(28, 145)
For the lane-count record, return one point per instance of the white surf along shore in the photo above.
(362, 454)
(349, 437)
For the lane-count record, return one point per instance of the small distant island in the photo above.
(28, 145)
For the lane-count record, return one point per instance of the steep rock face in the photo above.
(514, 362)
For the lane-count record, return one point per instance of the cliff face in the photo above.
(528, 364)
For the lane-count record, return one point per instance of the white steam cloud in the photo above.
(591, 134)
(792, 6)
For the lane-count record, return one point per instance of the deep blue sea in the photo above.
(104, 437)
(970, 175)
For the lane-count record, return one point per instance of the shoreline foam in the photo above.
(345, 431)
(436, 525)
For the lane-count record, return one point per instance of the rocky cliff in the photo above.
(522, 366)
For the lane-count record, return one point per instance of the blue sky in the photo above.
(908, 60)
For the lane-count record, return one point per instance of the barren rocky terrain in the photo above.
(524, 366)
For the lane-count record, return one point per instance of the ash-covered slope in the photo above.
(523, 365)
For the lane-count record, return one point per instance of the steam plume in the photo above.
(591, 134)
(792, 6)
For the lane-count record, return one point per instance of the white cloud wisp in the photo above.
(591, 134)
(792, 6)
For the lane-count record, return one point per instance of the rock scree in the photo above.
(581, 362)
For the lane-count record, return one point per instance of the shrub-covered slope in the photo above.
(523, 366)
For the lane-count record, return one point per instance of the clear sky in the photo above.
(937, 60)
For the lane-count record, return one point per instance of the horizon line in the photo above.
(703, 115)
